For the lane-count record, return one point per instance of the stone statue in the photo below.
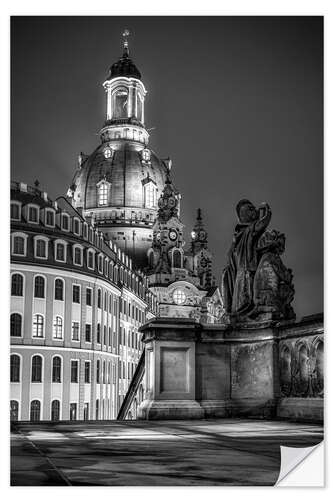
(273, 290)
(238, 276)
(255, 284)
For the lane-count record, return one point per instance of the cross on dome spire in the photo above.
(126, 34)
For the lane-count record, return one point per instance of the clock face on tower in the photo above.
(173, 234)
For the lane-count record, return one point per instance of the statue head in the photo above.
(246, 212)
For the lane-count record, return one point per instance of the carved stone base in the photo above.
(216, 408)
(301, 409)
(170, 410)
(252, 407)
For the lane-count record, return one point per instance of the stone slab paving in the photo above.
(155, 453)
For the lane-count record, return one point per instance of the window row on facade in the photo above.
(105, 301)
(104, 335)
(80, 255)
(35, 414)
(105, 371)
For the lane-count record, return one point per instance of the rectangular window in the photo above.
(38, 326)
(65, 222)
(76, 294)
(49, 218)
(88, 296)
(15, 211)
(74, 371)
(98, 340)
(98, 371)
(41, 249)
(87, 372)
(18, 245)
(78, 256)
(76, 227)
(60, 252)
(86, 411)
(91, 260)
(88, 333)
(104, 335)
(75, 330)
(73, 411)
(33, 214)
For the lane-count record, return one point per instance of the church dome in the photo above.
(124, 67)
(126, 169)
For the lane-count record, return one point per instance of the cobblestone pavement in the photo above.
(155, 453)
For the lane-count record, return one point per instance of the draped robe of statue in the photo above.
(238, 276)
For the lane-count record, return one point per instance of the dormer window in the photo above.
(15, 211)
(65, 222)
(33, 213)
(150, 195)
(103, 193)
(49, 218)
(76, 227)
(145, 155)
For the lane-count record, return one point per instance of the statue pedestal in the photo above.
(170, 371)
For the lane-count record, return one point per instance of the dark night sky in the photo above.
(236, 102)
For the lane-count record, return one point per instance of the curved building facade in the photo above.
(76, 306)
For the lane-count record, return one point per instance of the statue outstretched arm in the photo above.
(264, 220)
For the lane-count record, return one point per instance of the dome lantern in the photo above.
(125, 101)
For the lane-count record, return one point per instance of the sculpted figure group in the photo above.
(255, 283)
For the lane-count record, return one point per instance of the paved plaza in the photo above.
(155, 453)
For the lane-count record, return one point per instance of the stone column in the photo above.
(170, 370)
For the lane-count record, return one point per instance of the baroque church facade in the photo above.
(88, 270)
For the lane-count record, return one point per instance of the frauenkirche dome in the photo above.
(117, 187)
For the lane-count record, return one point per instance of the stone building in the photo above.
(76, 306)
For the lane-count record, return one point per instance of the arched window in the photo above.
(58, 289)
(18, 247)
(177, 258)
(55, 410)
(120, 103)
(150, 195)
(78, 256)
(36, 368)
(39, 289)
(57, 327)
(35, 410)
(98, 370)
(38, 326)
(104, 372)
(17, 285)
(15, 368)
(60, 252)
(14, 410)
(99, 298)
(33, 213)
(56, 369)
(15, 325)
(90, 259)
(40, 248)
(103, 190)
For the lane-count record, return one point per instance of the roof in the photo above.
(124, 67)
